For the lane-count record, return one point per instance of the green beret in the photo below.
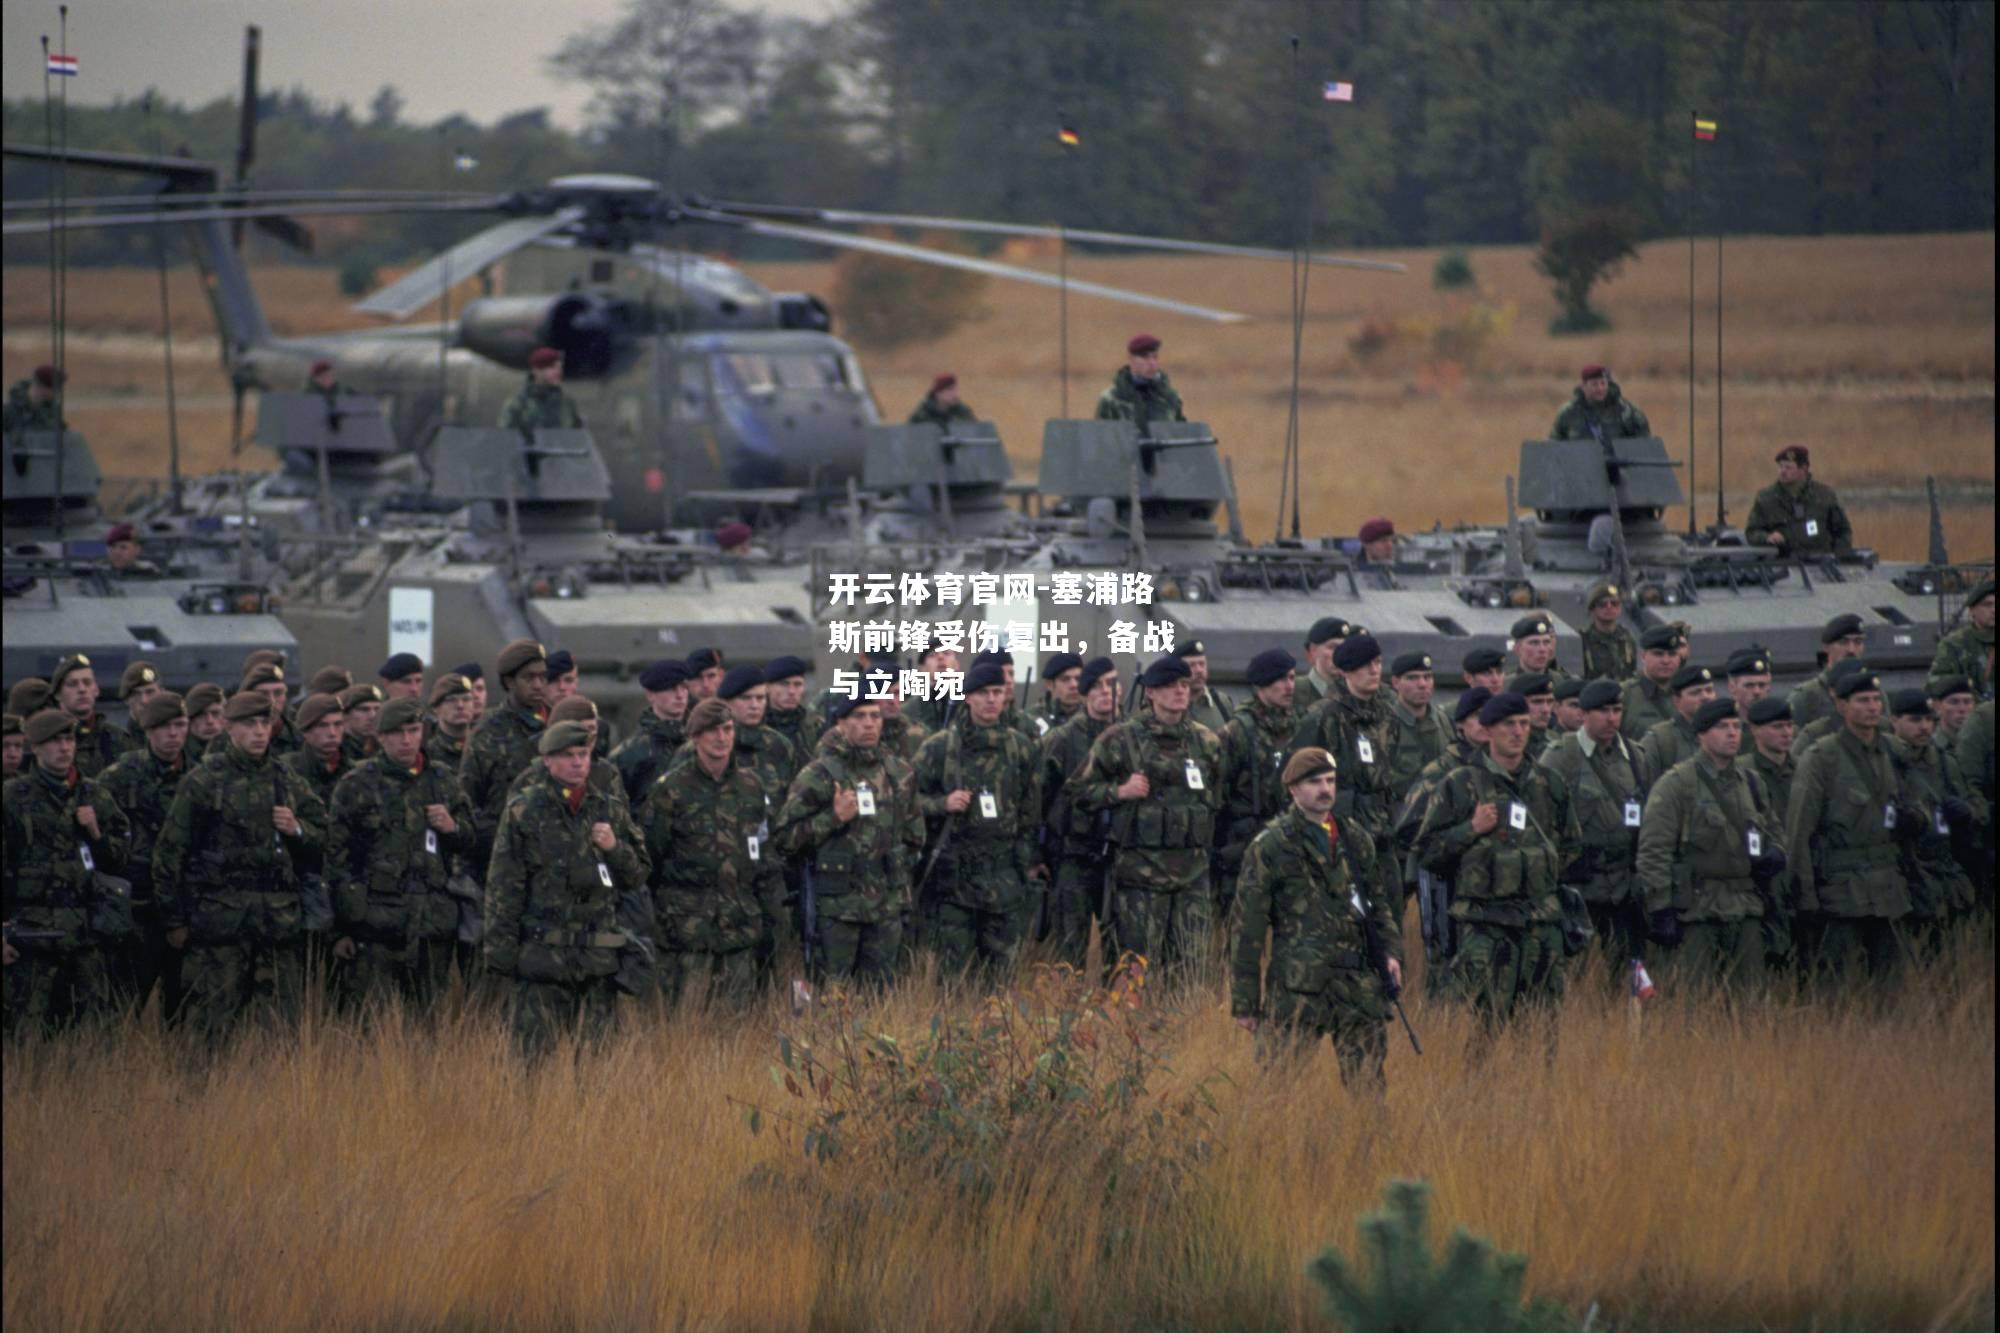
(136, 675)
(361, 695)
(400, 712)
(330, 680)
(203, 697)
(1601, 592)
(261, 674)
(563, 735)
(449, 686)
(246, 705)
(28, 696)
(161, 710)
(315, 709)
(1308, 763)
(73, 663)
(49, 724)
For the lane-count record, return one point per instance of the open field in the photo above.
(1876, 351)
(1773, 1165)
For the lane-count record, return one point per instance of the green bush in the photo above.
(1453, 271)
(357, 274)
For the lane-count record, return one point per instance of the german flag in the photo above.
(1068, 137)
(1704, 130)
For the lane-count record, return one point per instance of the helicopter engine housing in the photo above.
(595, 332)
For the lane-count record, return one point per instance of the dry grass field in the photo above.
(1768, 1165)
(1876, 351)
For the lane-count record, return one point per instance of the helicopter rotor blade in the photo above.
(850, 217)
(841, 240)
(426, 283)
(251, 198)
(42, 226)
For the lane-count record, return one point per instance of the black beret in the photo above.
(561, 662)
(1060, 663)
(1269, 667)
(1943, 687)
(1660, 639)
(1528, 684)
(1096, 669)
(1749, 662)
(1325, 628)
(738, 679)
(1356, 652)
(784, 668)
(1405, 663)
(1190, 648)
(1164, 671)
(1600, 694)
(399, 666)
(1980, 593)
(984, 674)
(664, 674)
(842, 705)
(1845, 667)
(698, 661)
(1502, 706)
(1470, 703)
(1712, 712)
(1769, 709)
(1910, 703)
(469, 670)
(1528, 626)
(1855, 683)
(1690, 676)
(1841, 627)
(997, 658)
(1570, 687)
(1481, 660)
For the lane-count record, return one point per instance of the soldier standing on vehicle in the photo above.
(942, 406)
(1254, 745)
(1673, 740)
(1609, 650)
(1608, 780)
(1140, 392)
(1308, 881)
(542, 403)
(506, 741)
(1649, 695)
(1968, 650)
(1077, 839)
(31, 403)
(1599, 410)
(1796, 514)
(73, 688)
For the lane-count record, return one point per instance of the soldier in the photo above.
(1486, 669)
(1569, 706)
(564, 679)
(13, 745)
(31, 403)
(1796, 514)
(900, 736)
(1503, 833)
(506, 742)
(645, 754)
(1846, 826)
(704, 666)
(1599, 410)
(267, 680)
(1952, 700)
(1352, 724)
(452, 703)
(1830, 725)
(1975, 761)
(718, 891)
(1378, 542)
(475, 675)
(1075, 840)
(1309, 882)
(1418, 731)
(1254, 745)
(758, 748)
(63, 828)
(121, 554)
(542, 403)
(786, 712)
(1534, 640)
(942, 406)
(399, 823)
(1668, 743)
(1770, 758)
(402, 677)
(1323, 640)
(1649, 695)
(851, 819)
(140, 682)
(979, 789)
(29, 696)
(1140, 392)
(73, 688)
(1541, 696)
(1159, 775)
(321, 379)
(1060, 699)
(1749, 672)
(1941, 895)
(362, 705)
(334, 680)
(1608, 779)
(1710, 849)
(241, 833)
(567, 865)
(1968, 650)
(204, 708)
(1207, 706)
(602, 777)
(322, 760)
(1440, 935)
(939, 663)
(1609, 650)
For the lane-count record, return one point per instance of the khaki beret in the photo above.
(575, 708)
(261, 674)
(49, 724)
(330, 680)
(449, 686)
(563, 736)
(246, 706)
(315, 710)
(74, 662)
(137, 674)
(27, 697)
(10, 724)
(162, 709)
(360, 696)
(519, 654)
(400, 712)
(1308, 763)
(202, 698)
(257, 657)
(707, 716)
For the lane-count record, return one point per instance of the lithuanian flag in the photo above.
(1704, 130)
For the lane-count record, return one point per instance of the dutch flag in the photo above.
(65, 65)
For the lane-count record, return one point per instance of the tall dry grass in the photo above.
(1772, 1164)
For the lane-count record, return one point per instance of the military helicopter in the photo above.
(708, 393)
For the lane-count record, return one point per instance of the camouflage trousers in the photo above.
(1073, 901)
(728, 980)
(1346, 1013)
(1870, 942)
(50, 989)
(225, 980)
(544, 1011)
(1501, 970)
(1728, 954)
(418, 974)
(1170, 930)
(965, 937)
(863, 951)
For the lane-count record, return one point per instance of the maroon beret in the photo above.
(121, 532)
(1375, 529)
(1796, 453)
(732, 535)
(544, 357)
(1591, 372)
(944, 381)
(1141, 344)
(48, 376)
(322, 365)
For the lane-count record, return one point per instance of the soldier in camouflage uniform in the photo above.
(1649, 695)
(61, 830)
(1254, 745)
(1433, 892)
(759, 748)
(1074, 839)
(1060, 700)
(851, 818)
(1419, 731)
(1953, 701)
(1975, 760)
(567, 906)
(205, 726)
(1206, 705)
(1534, 639)
(1841, 639)
(73, 688)
(1599, 410)
(31, 403)
(786, 712)
(645, 754)
(1710, 849)
(718, 889)
(1140, 392)
(1941, 893)
(933, 658)
(505, 742)
(13, 746)
(321, 760)
(942, 406)
(1504, 833)
(241, 832)
(1796, 514)
(1968, 650)
(1323, 640)
(603, 777)
(1668, 743)
(360, 705)
(140, 682)
(268, 680)
(1160, 777)
(451, 705)
(1352, 724)
(979, 789)
(705, 672)
(1609, 650)
(401, 677)
(902, 736)
(1307, 880)
(542, 404)
(143, 782)
(1608, 779)
(1540, 693)
(397, 828)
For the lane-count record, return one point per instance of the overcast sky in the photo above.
(483, 58)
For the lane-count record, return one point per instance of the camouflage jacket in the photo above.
(928, 412)
(1254, 745)
(1694, 845)
(1163, 840)
(1412, 743)
(901, 737)
(1140, 404)
(98, 745)
(220, 867)
(1612, 656)
(1508, 875)
(645, 754)
(1809, 515)
(760, 750)
(797, 726)
(1048, 715)
(503, 746)
(1646, 706)
(1965, 652)
(862, 868)
(931, 714)
(24, 413)
(601, 778)
(144, 788)
(316, 775)
(1309, 885)
(718, 885)
(1608, 785)
(386, 867)
(558, 908)
(1844, 849)
(985, 864)
(1355, 732)
(1072, 832)
(1615, 418)
(1927, 776)
(1416, 801)
(358, 749)
(48, 882)
(541, 407)
(1668, 743)
(445, 750)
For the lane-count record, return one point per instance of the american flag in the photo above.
(1642, 981)
(1339, 92)
(62, 65)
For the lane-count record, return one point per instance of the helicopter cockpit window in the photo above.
(763, 374)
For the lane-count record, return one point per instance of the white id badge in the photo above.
(83, 850)
(604, 873)
(1364, 748)
(1354, 896)
(1812, 527)
(431, 841)
(1194, 776)
(1753, 842)
(1631, 814)
(864, 800)
(989, 808)
(1942, 824)
(1889, 816)
(755, 855)
(1517, 815)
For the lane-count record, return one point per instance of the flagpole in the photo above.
(1693, 116)
(62, 279)
(1066, 143)
(55, 315)
(166, 335)
(1718, 369)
